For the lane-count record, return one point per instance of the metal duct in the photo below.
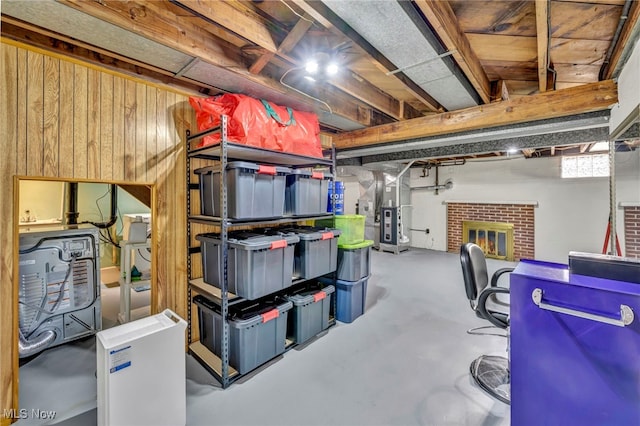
(409, 44)
(37, 344)
(540, 128)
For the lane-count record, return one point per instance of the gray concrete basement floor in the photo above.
(404, 362)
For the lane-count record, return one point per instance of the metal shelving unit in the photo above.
(224, 151)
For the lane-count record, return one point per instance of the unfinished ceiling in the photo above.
(414, 75)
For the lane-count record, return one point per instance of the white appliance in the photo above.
(142, 259)
(142, 373)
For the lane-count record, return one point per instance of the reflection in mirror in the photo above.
(51, 206)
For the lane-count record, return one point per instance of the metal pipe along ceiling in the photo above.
(411, 46)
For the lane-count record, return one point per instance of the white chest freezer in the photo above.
(141, 372)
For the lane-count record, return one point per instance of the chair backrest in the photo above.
(474, 271)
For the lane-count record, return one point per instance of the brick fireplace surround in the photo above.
(632, 231)
(520, 215)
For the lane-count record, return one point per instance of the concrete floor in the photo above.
(404, 362)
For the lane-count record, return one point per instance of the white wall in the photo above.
(571, 215)
(42, 198)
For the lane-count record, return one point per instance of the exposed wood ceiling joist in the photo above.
(444, 23)
(551, 104)
(542, 27)
(294, 36)
(504, 49)
(632, 22)
(256, 31)
(152, 20)
(330, 21)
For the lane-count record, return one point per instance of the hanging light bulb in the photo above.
(320, 67)
(311, 67)
(332, 69)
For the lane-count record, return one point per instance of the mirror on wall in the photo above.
(45, 208)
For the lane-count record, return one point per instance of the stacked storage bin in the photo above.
(317, 252)
(310, 312)
(307, 192)
(315, 255)
(354, 267)
(254, 191)
(257, 331)
(258, 264)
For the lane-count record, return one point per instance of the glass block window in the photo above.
(596, 165)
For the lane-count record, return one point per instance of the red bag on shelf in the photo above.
(259, 123)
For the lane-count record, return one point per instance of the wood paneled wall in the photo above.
(69, 120)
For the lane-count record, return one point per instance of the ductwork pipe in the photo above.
(402, 172)
(38, 344)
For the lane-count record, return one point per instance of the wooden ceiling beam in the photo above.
(552, 104)
(222, 13)
(153, 21)
(632, 22)
(528, 152)
(445, 24)
(542, 29)
(293, 37)
(324, 16)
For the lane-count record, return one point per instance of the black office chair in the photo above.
(490, 372)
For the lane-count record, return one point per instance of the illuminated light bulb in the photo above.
(311, 67)
(332, 69)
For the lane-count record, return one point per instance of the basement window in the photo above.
(585, 166)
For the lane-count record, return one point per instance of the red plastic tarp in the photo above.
(259, 123)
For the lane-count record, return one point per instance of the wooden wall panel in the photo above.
(150, 164)
(8, 166)
(129, 131)
(64, 119)
(106, 126)
(21, 120)
(119, 112)
(140, 157)
(51, 115)
(80, 75)
(93, 124)
(65, 167)
(35, 104)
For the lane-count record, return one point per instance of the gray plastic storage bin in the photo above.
(253, 191)
(307, 192)
(258, 264)
(317, 252)
(310, 314)
(354, 262)
(253, 339)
